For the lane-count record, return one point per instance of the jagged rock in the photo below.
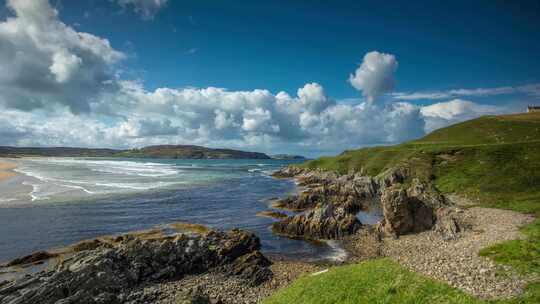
(89, 245)
(299, 202)
(451, 222)
(392, 177)
(404, 211)
(288, 172)
(353, 192)
(426, 193)
(323, 222)
(103, 274)
(253, 267)
(32, 258)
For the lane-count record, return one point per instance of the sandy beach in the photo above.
(6, 170)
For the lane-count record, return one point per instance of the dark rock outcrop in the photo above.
(323, 222)
(330, 202)
(33, 258)
(106, 275)
(253, 267)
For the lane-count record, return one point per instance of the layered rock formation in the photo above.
(106, 274)
(329, 203)
(323, 222)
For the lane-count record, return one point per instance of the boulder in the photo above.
(252, 267)
(450, 222)
(405, 211)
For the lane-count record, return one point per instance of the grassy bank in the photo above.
(378, 281)
(381, 281)
(494, 161)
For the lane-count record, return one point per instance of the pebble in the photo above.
(457, 262)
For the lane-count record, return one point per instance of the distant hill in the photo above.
(287, 157)
(190, 152)
(163, 151)
(56, 151)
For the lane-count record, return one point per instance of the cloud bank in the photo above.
(529, 89)
(60, 87)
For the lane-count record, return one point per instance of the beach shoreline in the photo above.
(6, 169)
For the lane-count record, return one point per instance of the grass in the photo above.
(522, 255)
(492, 160)
(377, 281)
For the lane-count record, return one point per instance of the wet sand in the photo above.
(6, 170)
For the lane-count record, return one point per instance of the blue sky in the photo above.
(436, 47)
(280, 45)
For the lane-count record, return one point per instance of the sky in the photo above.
(303, 77)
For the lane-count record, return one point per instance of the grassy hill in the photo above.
(492, 160)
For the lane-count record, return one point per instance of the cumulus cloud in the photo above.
(147, 9)
(375, 76)
(445, 113)
(43, 61)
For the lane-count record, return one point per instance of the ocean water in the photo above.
(55, 202)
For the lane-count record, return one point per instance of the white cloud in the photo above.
(44, 62)
(313, 98)
(58, 88)
(375, 76)
(147, 9)
(529, 89)
(445, 113)
(64, 65)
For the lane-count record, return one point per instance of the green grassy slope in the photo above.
(492, 160)
(380, 281)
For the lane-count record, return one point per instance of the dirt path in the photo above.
(457, 262)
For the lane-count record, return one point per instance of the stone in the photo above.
(33, 258)
(323, 222)
(99, 275)
(193, 296)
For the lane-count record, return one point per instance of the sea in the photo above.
(54, 202)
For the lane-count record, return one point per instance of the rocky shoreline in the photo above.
(327, 208)
(437, 236)
(111, 273)
(200, 265)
